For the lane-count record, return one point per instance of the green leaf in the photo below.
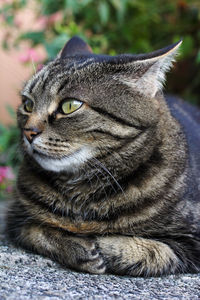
(10, 20)
(37, 37)
(49, 7)
(85, 2)
(22, 3)
(103, 12)
(5, 44)
(56, 45)
(198, 57)
(73, 5)
(187, 46)
(120, 8)
(2, 128)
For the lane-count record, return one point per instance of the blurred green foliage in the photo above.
(120, 26)
(10, 156)
(9, 144)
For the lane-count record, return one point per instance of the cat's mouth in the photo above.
(60, 162)
(36, 152)
(37, 149)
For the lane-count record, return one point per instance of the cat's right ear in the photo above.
(146, 72)
(75, 46)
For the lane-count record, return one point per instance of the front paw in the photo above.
(137, 256)
(89, 258)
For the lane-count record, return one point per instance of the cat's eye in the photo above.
(69, 106)
(28, 105)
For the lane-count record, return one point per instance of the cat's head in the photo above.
(84, 106)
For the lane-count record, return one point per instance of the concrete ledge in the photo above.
(25, 276)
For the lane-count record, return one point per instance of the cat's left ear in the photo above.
(75, 46)
(148, 70)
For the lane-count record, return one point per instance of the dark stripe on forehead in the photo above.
(62, 67)
(77, 62)
(81, 66)
(52, 70)
(45, 82)
(33, 83)
(116, 119)
(62, 86)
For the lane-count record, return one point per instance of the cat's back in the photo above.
(189, 118)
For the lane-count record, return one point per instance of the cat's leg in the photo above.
(71, 251)
(137, 256)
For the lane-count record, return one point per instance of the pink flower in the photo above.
(30, 55)
(17, 21)
(8, 1)
(3, 171)
(56, 17)
(2, 18)
(7, 173)
(44, 21)
(9, 189)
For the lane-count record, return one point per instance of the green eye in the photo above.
(70, 106)
(28, 105)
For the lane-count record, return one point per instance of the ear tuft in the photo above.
(155, 66)
(75, 46)
(165, 62)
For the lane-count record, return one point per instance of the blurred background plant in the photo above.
(112, 27)
(9, 156)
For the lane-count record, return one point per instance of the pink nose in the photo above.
(31, 133)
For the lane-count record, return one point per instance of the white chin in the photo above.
(70, 164)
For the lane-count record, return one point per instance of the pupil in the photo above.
(28, 105)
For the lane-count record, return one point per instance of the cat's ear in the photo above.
(75, 46)
(148, 70)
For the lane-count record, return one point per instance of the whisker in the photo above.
(98, 178)
(115, 180)
(108, 181)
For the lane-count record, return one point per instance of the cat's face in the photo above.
(83, 107)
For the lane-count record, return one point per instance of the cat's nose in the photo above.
(31, 133)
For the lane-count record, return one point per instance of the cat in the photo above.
(108, 182)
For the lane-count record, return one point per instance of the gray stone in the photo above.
(25, 276)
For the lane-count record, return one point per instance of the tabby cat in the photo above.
(109, 182)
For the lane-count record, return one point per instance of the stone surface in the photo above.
(25, 276)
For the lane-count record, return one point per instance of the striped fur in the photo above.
(103, 189)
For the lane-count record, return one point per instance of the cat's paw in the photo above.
(90, 260)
